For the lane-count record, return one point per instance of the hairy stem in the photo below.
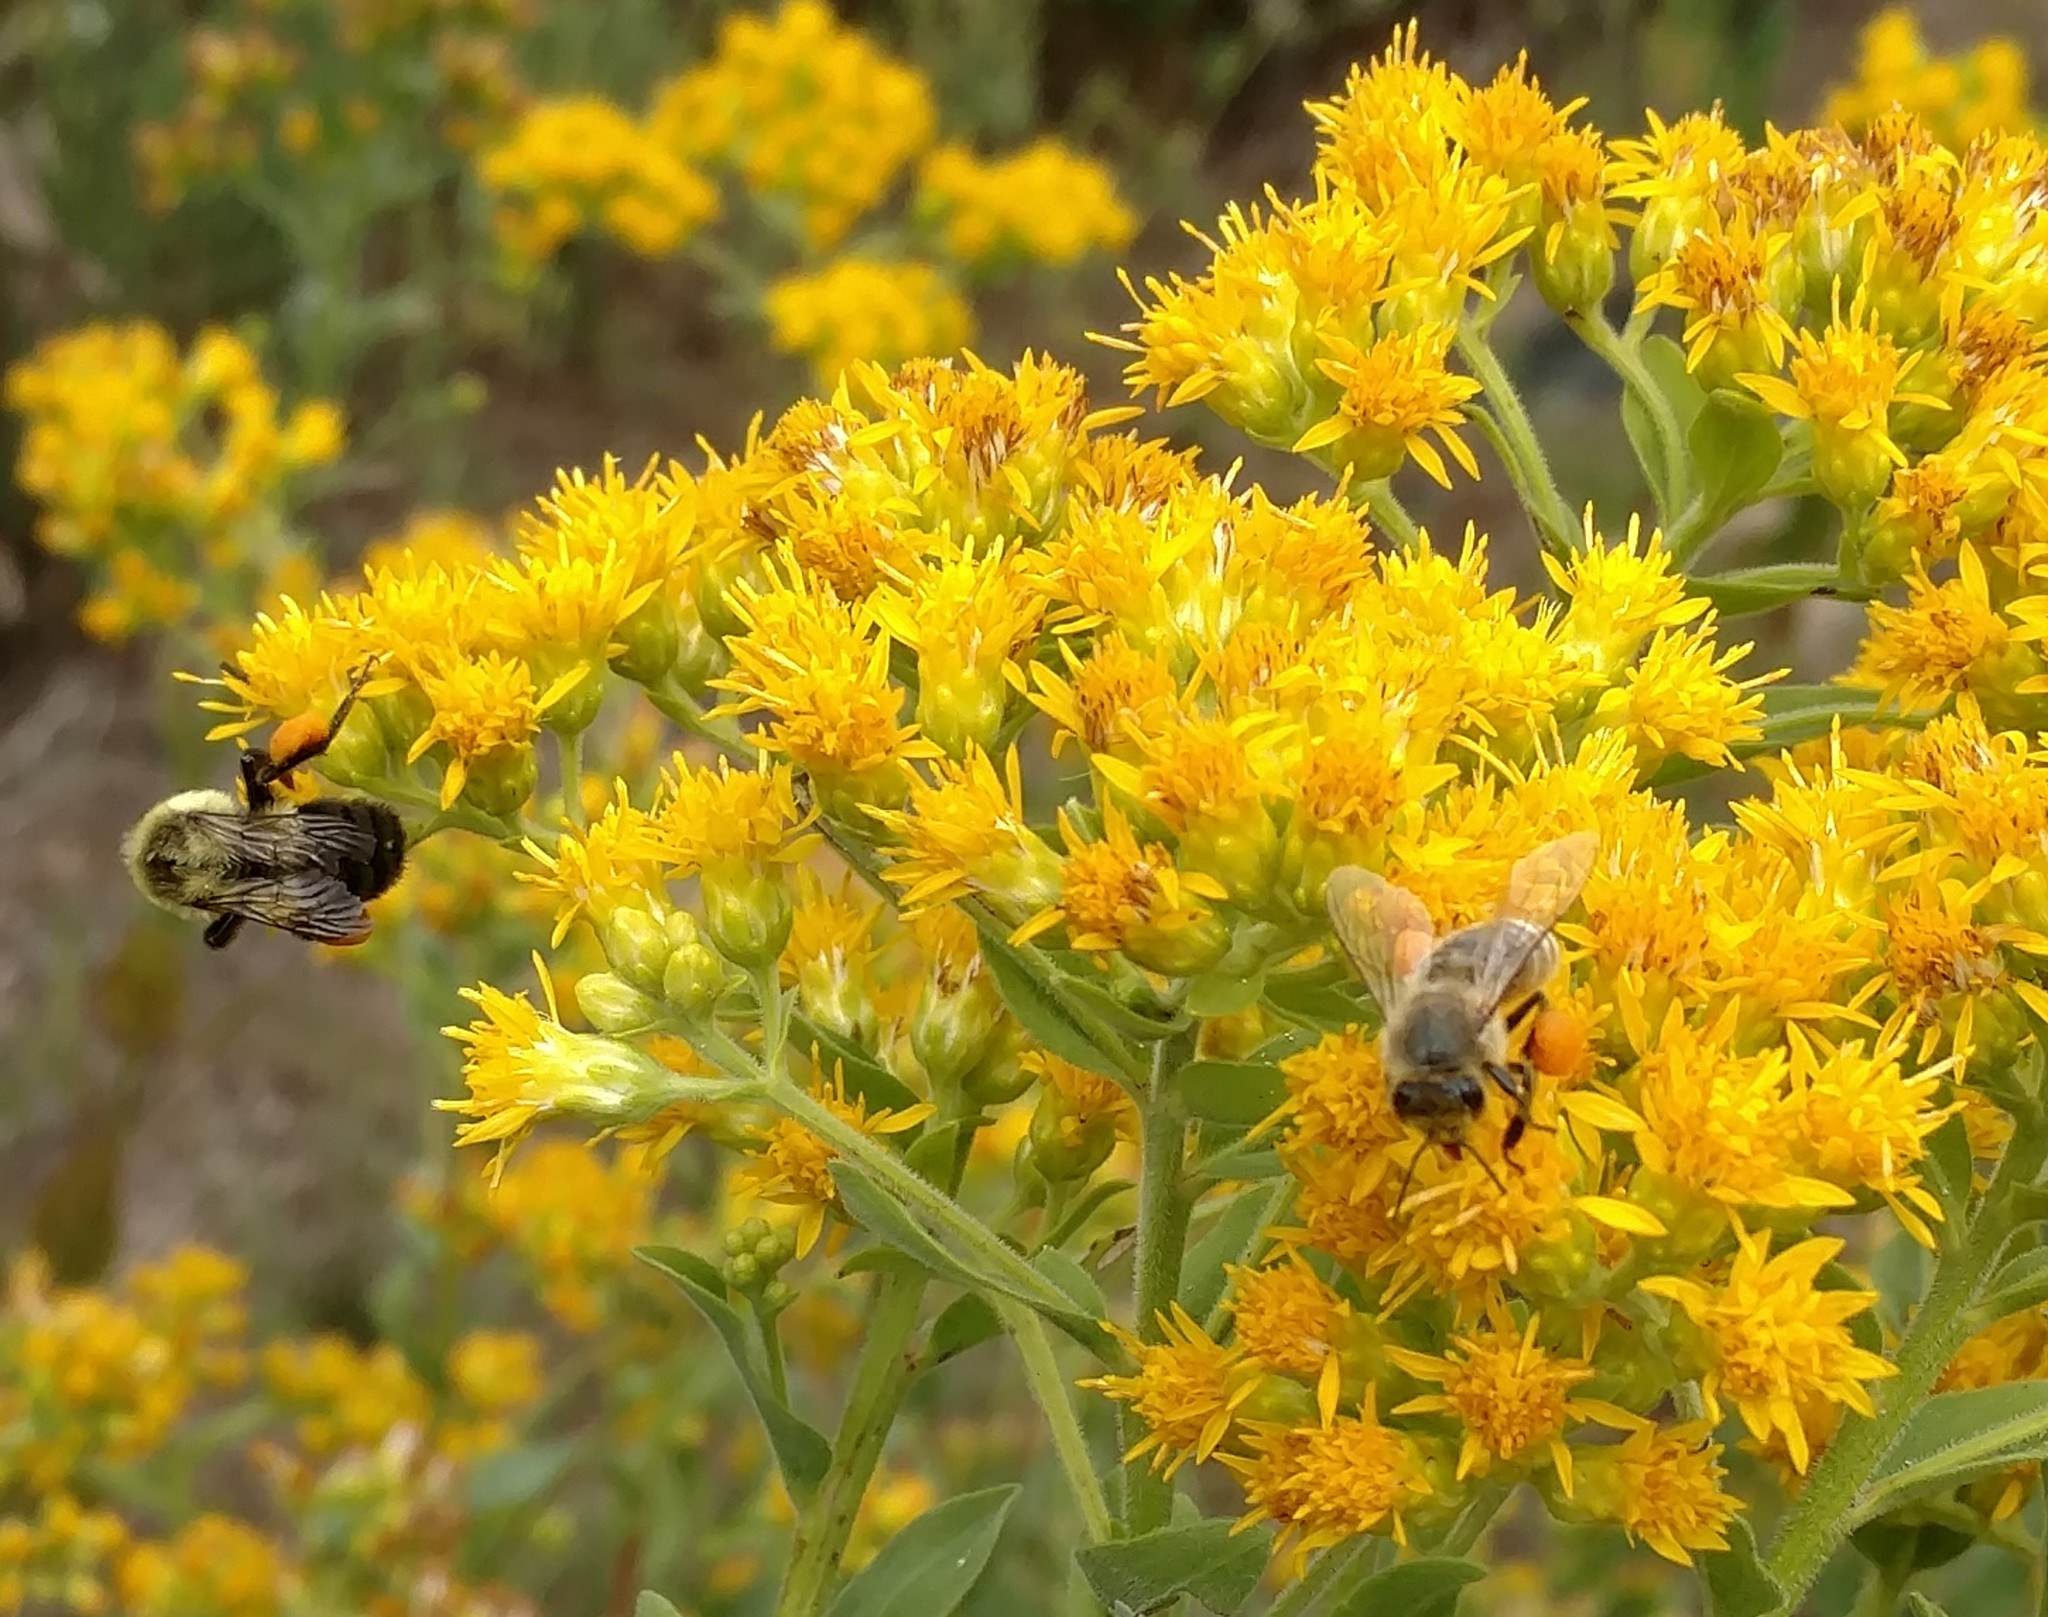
(1049, 1387)
(1163, 1209)
(1820, 1520)
(1523, 455)
(880, 1379)
(1669, 481)
(1389, 515)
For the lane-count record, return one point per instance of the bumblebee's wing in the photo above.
(259, 844)
(282, 872)
(1371, 916)
(309, 904)
(1541, 887)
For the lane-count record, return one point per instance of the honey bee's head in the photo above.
(1440, 1105)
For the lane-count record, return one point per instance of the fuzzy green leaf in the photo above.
(1045, 1018)
(1758, 589)
(800, 1449)
(1203, 1560)
(1738, 1583)
(1243, 1092)
(1429, 1587)
(929, 1566)
(1956, 1437)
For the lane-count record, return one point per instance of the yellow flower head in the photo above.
(1118, 895)
(1771, 1340)
(965, 832)
(1512, 1397)
(1323, 1484)
(1663, 1487)
(717, 813)
(789, 1165)
(1186, 1390)
(1395, 394)
(484, 708)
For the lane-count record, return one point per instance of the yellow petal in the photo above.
(1620, 1215)
(1600, 1111)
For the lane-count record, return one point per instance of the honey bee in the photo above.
(1457, 1010)
(304, 868)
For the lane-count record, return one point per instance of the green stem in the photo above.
(976, 1242)
(771, 1351)
(1523, 455)
(1820, 1520)
(1278, 1200)
(1049, 1387)
(774, 1018)
(1389, 515)
(880, 1380)
(685, 711)
(569, 752)
(1163, 1209)
(1669, 481)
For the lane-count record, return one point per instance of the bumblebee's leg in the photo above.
(256, 783)
(277, 768)
(221, 930)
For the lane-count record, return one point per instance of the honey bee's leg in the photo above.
(1407, 1179)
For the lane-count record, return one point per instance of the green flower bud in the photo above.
(693, 976)
(747, 912)
(637, 947)
(402, 716)
(648, 642)
(612, 1005)
(742, 1272)
(500, 782)
(959, 708)
(1243, 855)
(1281, 1398)
(1178, 951)
(1578, 277)
(951, 1029)
(1000, 1075)
(1065, 1147)
(777, 1295)
(573, 713)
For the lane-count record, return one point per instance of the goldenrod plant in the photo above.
(923, 820)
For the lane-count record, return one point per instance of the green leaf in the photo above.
(516, 1477)
(1073, 1280)
(800, 1449)
(1956, 1437)
(1665, 360)
(1287, 1042)
(883, 1217)
(1949, 1158)
(864, 1073)
(1230, 1238)
(1758, 589)
(1243, 1092)
(928, 1568)
(1319, 1000)
(1738, 1582)
(1224, 992)
(1735, 447)
(1204, 1561)
(1795, 713)
(1246, 1164)
(1918, 1605)
(966, 1322)
(1898, 1549)
(1429, 1587)
(1044, 1017)
(2021, 1283)
(1147, 1026)
(651, 1604)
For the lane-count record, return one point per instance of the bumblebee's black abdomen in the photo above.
(375, 871)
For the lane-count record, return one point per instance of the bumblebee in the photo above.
(1451, 1007)
(303, 868)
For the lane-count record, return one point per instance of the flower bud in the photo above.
(1283, 1399)
(700, 654)
(747, 912)
(1576, 277)
(1562, 1266)
(502, 780)
(960, 707)
(1064, 1146)
(576, 709)
(1851, 467)
(648, 642)
(1178, 950)
(955, 1021)
(612, 1005)
(403, 716)
(1243, 854)
(637, 947)
(1000, 1075)
(693, 976)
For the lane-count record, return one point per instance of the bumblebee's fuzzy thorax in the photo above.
(162, 853)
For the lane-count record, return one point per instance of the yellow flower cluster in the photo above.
(164, 471)
(874, 616)
(857, 308)
(1043, 204)
(1958, 97)
(305, 85)
(94, 1375)
(579, 163)
(806, 111)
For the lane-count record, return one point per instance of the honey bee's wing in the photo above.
(1370, 916)
(1541, 888)
(283, 870)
